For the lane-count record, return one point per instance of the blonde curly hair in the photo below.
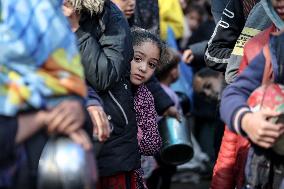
(92, 6)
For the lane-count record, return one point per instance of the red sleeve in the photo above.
(254, 46)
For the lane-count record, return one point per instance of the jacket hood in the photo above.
(94, 7)
(272, 14)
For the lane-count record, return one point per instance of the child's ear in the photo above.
(172, 72)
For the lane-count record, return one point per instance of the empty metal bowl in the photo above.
(176, 142)
(65, 165)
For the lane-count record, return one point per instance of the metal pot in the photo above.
(176, 142)
(65, 165)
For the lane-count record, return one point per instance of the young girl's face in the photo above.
(144, 62)
(126, 6)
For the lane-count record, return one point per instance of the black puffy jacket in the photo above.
(225, 36)
(106, 51)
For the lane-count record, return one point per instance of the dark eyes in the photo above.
(152, 65)
(137, 59)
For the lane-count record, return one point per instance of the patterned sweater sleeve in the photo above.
(149, 139)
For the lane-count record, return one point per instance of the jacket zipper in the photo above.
(120, 107)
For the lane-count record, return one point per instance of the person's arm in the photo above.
(198, 49)
(217, 7)
(256, 21)
(195, 53)
(93, 98)
(226, 33)
(234, 97)
(101, 127)
(106, 59)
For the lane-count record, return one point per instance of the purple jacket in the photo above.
(93, 98)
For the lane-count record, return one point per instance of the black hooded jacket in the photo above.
(106, 50)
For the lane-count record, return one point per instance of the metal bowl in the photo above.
(176, 142)
(65, 165)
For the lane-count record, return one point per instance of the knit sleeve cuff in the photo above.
(238, 119)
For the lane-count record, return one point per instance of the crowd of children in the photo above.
(107, 71)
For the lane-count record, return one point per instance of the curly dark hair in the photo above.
(170, 62)
(140, 36)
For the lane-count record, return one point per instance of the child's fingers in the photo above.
(269, 113)
(270, 140)
(80, 137)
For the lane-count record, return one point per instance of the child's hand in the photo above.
(100, 122)
(68, 118)
(259, 130)
(81, 137)
(187, 56)
(65, 118)
(173, 112)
